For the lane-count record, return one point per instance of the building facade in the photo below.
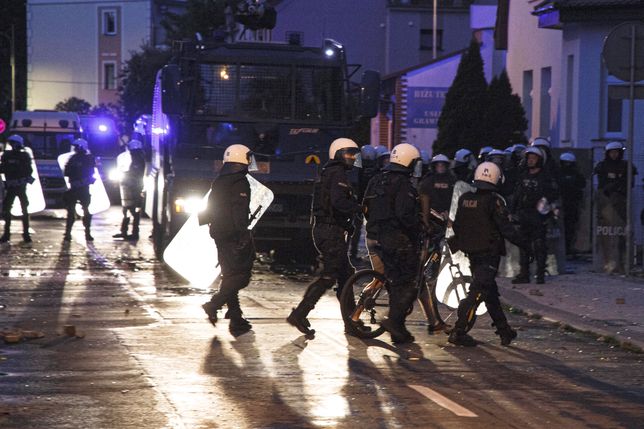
(554, 61)
(76, 48)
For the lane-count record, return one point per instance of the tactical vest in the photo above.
(474, 227)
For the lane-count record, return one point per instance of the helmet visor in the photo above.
(252, 163)
(417, 168)
(358, 160)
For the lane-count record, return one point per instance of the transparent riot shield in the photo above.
(100, 201)
(610, 232)
(454, 276)
(34, 190)
(193, 254)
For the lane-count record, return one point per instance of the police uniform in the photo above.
(15, 164)
(334, 208)
(572, 184)
(612, 177)
(230, 195)
(392, 212)
(80, 171)
(463, 172)
(531, 188)
(131, 188)
(438, 188)
(482, 223)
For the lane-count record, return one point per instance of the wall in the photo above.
(63, 48)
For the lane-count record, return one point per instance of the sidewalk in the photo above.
(609, 306)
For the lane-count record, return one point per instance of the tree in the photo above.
(506, 121)
(202, 16)
(138, 78)
(74, 104)
(462, 120)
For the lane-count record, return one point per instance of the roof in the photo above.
(570, 4)
(425, 64)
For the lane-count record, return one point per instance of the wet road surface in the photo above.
(145, 357)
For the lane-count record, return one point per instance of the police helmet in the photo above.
(368, 152)
(567, 157)
(17, 142)
(536, 151)
(404, 154)
(382, 151)
(80, 144)
(609, 146)
(340, 146)
(462, 156)
(134, 144)
(484, 151)
(440, 158)
(237, 153)
(508, 150)
(487, 176)
(519, 147)
(540, 142)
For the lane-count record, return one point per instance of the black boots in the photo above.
(460, 338)
(506, 333)
(313, 293)
(124, 224)
(400, 300)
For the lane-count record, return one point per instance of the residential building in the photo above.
(554, 61)
(77, 47)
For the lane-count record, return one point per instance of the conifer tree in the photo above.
(505, 116)
(462, 120)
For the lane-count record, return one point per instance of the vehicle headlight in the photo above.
(189, 205)
(115, 175)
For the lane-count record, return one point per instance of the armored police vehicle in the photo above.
(284, 101)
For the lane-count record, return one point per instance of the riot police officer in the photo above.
(334, 208)
(572, 184)
(464, 165)
(612, 173)
(368, 170)
(481, 224)
(549, 163)
(131, 188)
(15, 164)
(535, 187)
(392, 211)
(436, 189)
(80, 172)
(508, 175)
(228, 216)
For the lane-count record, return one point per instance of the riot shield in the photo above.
(34, 191)
(454, 276)
(610, 232)
(193, 254)
(100, 201)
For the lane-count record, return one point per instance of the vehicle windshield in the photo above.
(269, 92)
(48, 145)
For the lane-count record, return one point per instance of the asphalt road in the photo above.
(145, 357)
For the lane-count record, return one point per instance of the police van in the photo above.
(48, 134)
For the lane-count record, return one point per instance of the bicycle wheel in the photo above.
(364, 303)
(441, 313)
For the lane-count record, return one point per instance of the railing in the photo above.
(442, 4)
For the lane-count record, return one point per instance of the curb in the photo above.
(519, 304)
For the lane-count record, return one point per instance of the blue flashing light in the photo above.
(102, 128)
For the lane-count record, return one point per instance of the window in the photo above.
(295, 38)
(526, 98)
(614, 113)
(109, 22)
(546, 100)
(570, 81)
(109, 75)
(427, 39)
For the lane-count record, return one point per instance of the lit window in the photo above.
(109, 76)
(109, 22)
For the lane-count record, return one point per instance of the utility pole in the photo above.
(434, 31)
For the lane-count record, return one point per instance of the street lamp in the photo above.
(12, 48)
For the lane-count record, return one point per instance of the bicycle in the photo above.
(364, 301)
